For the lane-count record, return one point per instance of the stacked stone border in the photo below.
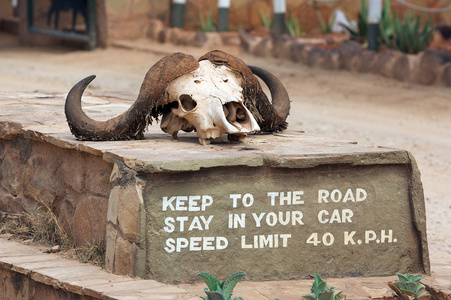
(430, 67)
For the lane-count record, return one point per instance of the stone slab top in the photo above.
(40, 115)
(76, 278)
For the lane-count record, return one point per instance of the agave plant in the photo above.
(408, 286)
(408, 36)
(320, 291)
(220, 290)
(292, 25)
(359, 32)
(267, 22)
(207, 23)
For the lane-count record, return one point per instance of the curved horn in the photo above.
(132, 123)
(270, 118)
(279, 95)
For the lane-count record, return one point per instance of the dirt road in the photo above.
(365, 108)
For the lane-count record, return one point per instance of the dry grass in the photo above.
(42, 227)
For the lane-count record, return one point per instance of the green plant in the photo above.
(206, 23)
(326, 27)
(220, 290)
(408, 36)
(359, 32)
(292, 25)
(320, 291)
(267, 22)
(408, 286)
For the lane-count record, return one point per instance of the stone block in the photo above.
(214, 40)
(230, 38)
(446, 75)
(128, 205)
(264, 48)
(123, 257)
(366, 61)
(282, 47)
(347, 51)
(299, 52)
(401, 68)
(331, 60)
(154, 29)
(248, 42)
(384, 62)
(315, 57)
(430, 65)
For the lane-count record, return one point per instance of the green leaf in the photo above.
(209, 279)
(329, 295)
(309, 297)
(394, 288)
(230, 283)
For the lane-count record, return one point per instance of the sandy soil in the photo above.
(365, 108)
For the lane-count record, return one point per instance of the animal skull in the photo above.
(214, 95)
(210, 101)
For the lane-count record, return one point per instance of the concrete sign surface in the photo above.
(279, 223)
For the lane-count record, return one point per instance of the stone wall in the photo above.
(129, 19)
(36, 177)
(430, 67)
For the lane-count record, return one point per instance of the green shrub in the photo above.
(408, 36)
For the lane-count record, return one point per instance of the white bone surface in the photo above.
(209, 99)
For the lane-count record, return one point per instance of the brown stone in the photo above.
(199, 39)
(366, 61)
(430, 63)
(248, 42)
(315, 57)
(154, 29)
(230, 38)
(264, 48)
(346, 52)
(384, 62)
(331, 60)
(128, 211)
(446, 75)
(123, 259)
(299, 52)
(282, 46)
(401, 69)
(214, 40)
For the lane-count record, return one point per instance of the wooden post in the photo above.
(223, 15)
(374, 16)
(279, 8)
(178, 12)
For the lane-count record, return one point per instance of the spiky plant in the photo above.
(220, 290)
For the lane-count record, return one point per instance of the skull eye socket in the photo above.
(188, 103)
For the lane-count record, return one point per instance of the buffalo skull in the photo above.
(216, 95)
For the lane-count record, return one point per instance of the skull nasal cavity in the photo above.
(188, 104)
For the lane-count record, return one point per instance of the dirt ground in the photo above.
(364, 108)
